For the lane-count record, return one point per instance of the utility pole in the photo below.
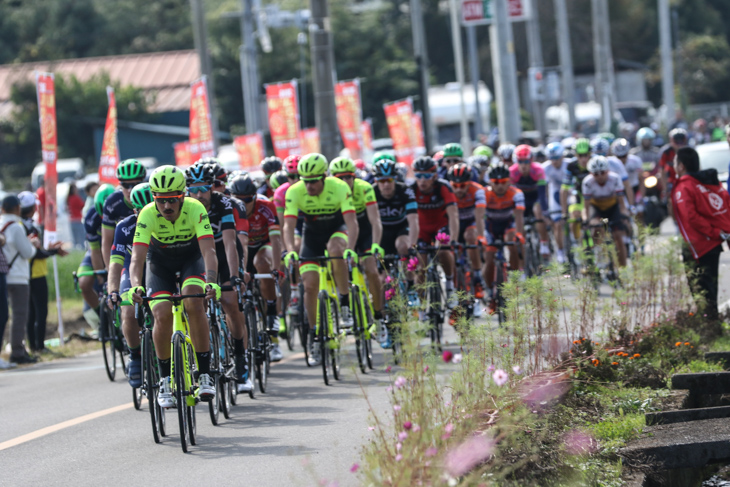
(459, 65)
(325, 111)
(678, 52)
(603, 61)
(665, 49)
(421, 54)
(302, 41)
(565, 54)
(471, 35)
(249, 70)
(534, 46)
(505, 74)
(200, 34)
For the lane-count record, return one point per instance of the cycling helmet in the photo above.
(498, 171)
(271, 164)
(402, 171)
(167, 179)
(379, 156)
(453, 150)
(199, 173)
(278, 178)
(483, 150)
(607, 136)
(234, 174)
(597, 164)
(480, 162)
(312, 165)
(384, 168)
(582, 146)
(424, 164)
(555, 150)
(104, 191)
(242, 184)
(141, 196)
(600, 146)
(438, 157)
(505, 151)
(207, 160)
(131, 169)
(522, 152)
(218, 172)
(620, 147)
(290, 164)
(459, 173)
(678, 135)
(645, 133)
(341, 165)
(360, 164)
(539, 155)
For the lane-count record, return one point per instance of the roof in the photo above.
(164, 75)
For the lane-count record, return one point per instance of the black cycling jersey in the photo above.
(116, 209)
(220, 214)
(574, 175)
(393, 211)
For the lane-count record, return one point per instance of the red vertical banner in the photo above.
(366, 128)
(45, 89)
(109, 159)
(310, 140)
(419, 144)
(183, 157)
(250, 148)
(281, 100)
(201, 126)
(399, 116)
(349, 115)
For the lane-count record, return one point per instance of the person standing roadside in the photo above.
(702, 211)
(90, 190)
(75, 205)
(18, 249)
(3, 300)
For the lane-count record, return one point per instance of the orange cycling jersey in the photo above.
(502, 207)
(474, 198)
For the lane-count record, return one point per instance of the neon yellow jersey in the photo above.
(173, 238)
(363, 196)
(321, 212)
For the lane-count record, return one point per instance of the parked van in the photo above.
(67, 170)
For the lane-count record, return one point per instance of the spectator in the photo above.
(38, 306)
(90, 190)
(18, 249)
(702, 211)
(3, 300)
(75, 205)
(41, 194)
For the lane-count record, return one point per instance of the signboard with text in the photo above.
(281, 100)
(481, 12)
(46, 91)
(349, 115)
(109, 159)
(250, 148)
(201, 126)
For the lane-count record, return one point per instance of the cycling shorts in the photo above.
(428, 237)
(530, 201)
(125, 284)
(364, 236)
(252, 251)
(314, 244)
(614, 216)
(576, 207)
(85, 265)
(554, 207)
(224, 272)
(390, 235)
(161, 272)
(463, 226)
(498, 230)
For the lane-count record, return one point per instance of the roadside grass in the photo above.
(66, 266)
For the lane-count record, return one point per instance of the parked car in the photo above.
(715, 155)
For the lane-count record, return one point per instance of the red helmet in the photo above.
(459, 173)
(438, 157)
(290, 164)
(360, 164)
(522, 153)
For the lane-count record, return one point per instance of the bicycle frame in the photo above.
(181, 328)
(327, 285)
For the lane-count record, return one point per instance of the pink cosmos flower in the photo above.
(447, 356)
(579, 442)
(389, 294)
(371, 428)
(517, 370)
(457, 358)
(388, 279)
(398, 457)
(396, 408)
(402, 436)
(400, 382)
(354, 467)
(412, 264)
(416, 428)
(443, 238)
(431, 451)
(490, 368)
(468, 455)
(388, 368)
(407, 425)
(500, 377)
(398, 446)
(425, 369)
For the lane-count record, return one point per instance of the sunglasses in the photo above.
(600, 173)
(459, 185)
(346, 176)
(452, 160)
(384, 180)
(292, 175)
(128, 185)
(199, 189)
(584, 155)
(312, 180)
(500, 181)
(524, 161)
(423, 175)
(168, 199)
(246, 198)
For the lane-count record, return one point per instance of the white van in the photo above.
(67, 170)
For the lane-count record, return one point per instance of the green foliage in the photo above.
(66, 266)
(618, 430)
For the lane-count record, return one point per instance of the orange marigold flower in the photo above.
(614, 363)
(595, 362)
(678, 344)
(686, 344)
(631, 358)
(576, 342)
(691, 314)
(636, 355)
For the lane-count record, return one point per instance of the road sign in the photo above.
(480, 12)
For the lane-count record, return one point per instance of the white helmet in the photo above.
(597, 164)
(620, 147)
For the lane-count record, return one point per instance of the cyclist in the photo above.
(330, 223)
(677, 138)
(604, 193)
(621, 152)
(576, 171)
(437, 213)
(377, 157)
(118, 205)
(176, 233)
(264, 247)
(555, 168)
(505, 220)
(539, 155)
(93, 260)
(269, 165)
(645, 149)
(454, 154)
(505, 152)
(118, 282)
(472, 204)
(600, 147)
(529, 177)
(369, 235)
(229, 252)
(220, 174)
(402, 171)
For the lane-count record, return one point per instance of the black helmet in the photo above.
(424, 164)
(199, 173)
(271, 164)
(384, 168)
(242, 184)
(218, 172)
(459, 173)
(498, 171)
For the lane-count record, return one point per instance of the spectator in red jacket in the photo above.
(702, 211)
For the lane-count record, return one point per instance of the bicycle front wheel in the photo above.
(323, 312)
(151, 386)
(335, 340)
(106, 335)
(181, 391)
(253, 344)
(358, 328)
(214, 405)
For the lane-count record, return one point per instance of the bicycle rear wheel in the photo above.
(214, 405)
(498, 296)
(335, 340)
(191, 400)
(106, 335)
(152, 381)
(358, 328)
(434, 305)
(367, 336)
(226, 380)
(180, 393)
(264, 359)
(324, 316)
(253, 344)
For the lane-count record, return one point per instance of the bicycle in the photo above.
(299, 320)
(533, 259)
(150, 374)
(392, 265)
(259, 341)
(362, 313)
(501, 267)
(222, 368)
(434, 296)
(110, 333)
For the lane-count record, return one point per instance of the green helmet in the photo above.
(141, 196)
(342, 164)
(131, 169)
(104, 191)
(277, 179)
(312, 165)
(582, 146)
(453, 150)
(167, 179)
(483, 150)
(379, 156)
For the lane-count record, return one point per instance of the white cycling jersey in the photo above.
(554, 176)
(604, 196)
(614, 165)
(633, 167)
